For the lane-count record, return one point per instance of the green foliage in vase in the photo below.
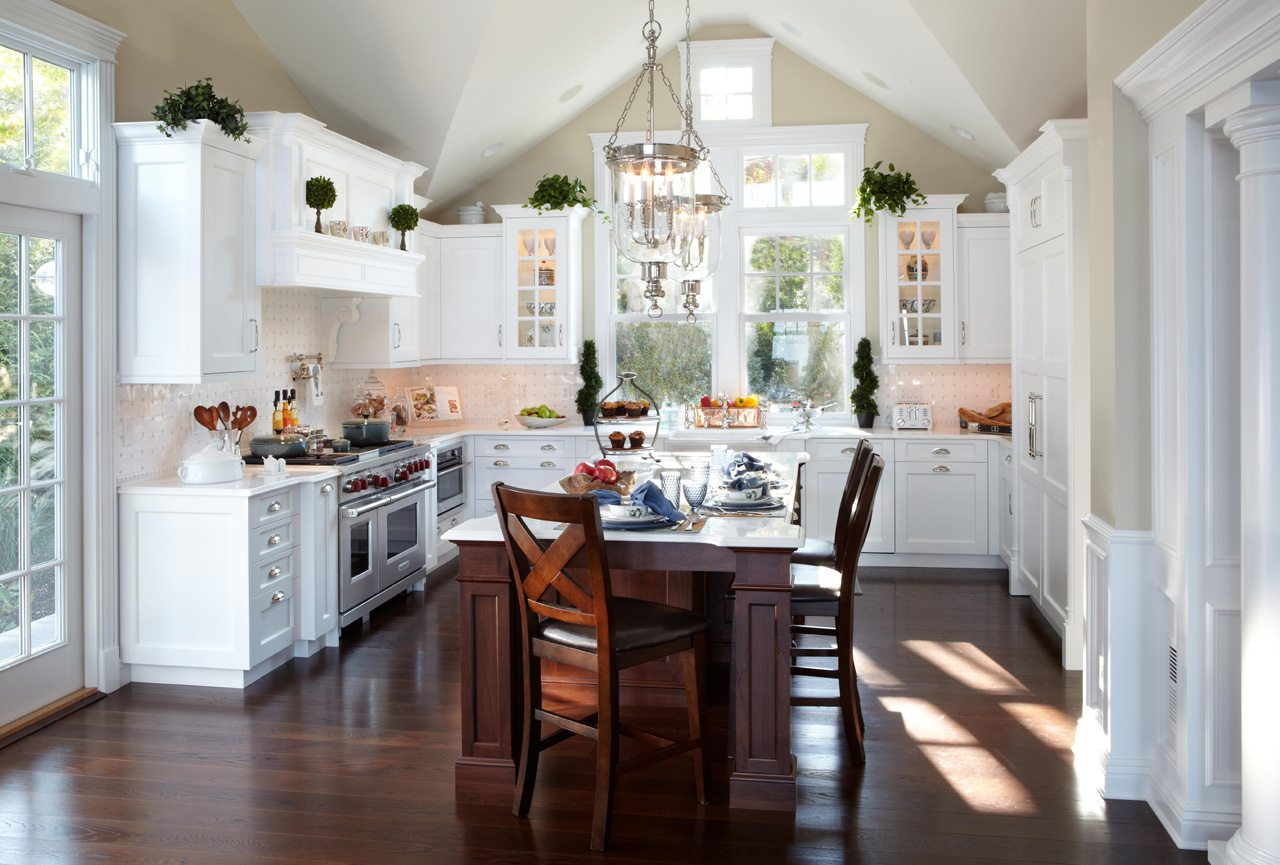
(558, 191)
(890, 190)
(199, 102)
(864, 393)
(321, 193)
(588, 397)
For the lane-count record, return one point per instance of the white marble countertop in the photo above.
(254, 481)
(772, 532)
(423, 435)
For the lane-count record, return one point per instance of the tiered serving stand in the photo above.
(647, 423)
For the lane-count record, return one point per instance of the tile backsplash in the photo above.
(946, 387)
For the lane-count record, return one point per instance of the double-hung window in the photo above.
(38, 96)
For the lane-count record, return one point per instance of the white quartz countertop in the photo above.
(748, 532)
(254, 481)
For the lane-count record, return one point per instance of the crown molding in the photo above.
(43, 22)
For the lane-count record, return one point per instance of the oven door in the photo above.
(450, 487)
(359, 552)
(402, 524)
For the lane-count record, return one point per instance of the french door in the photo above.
(41, 578)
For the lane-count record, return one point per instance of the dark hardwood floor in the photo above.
(347, 757)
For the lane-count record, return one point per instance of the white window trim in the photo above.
(728, 372)
(52, 30)
(754, 53)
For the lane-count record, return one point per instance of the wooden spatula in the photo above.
(205, 417)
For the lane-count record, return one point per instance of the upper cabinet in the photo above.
(918, 281)
(541, 283)
(189, 305)
(469, 316)
(983, 285)
(369, 183)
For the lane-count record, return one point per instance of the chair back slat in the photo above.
(849, 497)
(859, 526)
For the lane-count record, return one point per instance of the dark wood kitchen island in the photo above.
(658, 565)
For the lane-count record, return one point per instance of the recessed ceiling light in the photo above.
(571, 92)
(491, 149)
(875, 79)
(962, 132)
(790, 28)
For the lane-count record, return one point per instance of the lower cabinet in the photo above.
(941, 508)
(824, 478)
(527, 472)
(318, 623)
(1004, 505)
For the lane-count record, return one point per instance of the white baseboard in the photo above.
(1238, 851)
(928, 560)
(112, 674)
(1191, 828)
(1113, 777)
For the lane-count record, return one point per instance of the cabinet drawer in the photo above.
(273, 620)
(942, 451)
(530, 473)
(821, 450)
(272, 573)
(520, 445)
(270, 540)
(273, 506)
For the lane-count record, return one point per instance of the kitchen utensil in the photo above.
(205, 418)
(366, 431)
(224, 414)
(283, 445)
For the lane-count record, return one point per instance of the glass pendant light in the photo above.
(701, 254)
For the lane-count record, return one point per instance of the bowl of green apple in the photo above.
(540, 417)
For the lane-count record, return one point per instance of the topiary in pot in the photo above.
(404, 218)
(199, 102)
(588, 398)
(864, 393)
(321, 195)
(890, 190)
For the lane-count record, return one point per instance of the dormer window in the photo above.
(732, 82)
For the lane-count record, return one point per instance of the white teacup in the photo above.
(624, 511)
(751, 494)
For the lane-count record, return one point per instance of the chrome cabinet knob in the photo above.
(501, 463)
(274, 572)
(941, 451)
(502, 447)
(942, 469)
(273, 507)
(326, 489)
(548, 464)
(273, 540)
(549, 447)
(848, 450)
(277, 597)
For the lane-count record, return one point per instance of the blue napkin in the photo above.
(748, 482)
(648, 494)
(743, 463)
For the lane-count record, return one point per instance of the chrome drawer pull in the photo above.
(940, 452)
(848, 450)
(326, 489)
(273, 573)
(273, 507)
(273, 540)
(942, 469)
(548, 464)
(277, 597)
(549, 447)
(1008, 458)
(501, 463)
(502, 447)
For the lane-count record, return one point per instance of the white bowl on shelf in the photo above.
(529, 422)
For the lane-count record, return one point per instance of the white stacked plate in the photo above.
(649, 520)
(766, 504)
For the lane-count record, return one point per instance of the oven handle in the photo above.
(451, 467)
(404, 494)
(352, 513)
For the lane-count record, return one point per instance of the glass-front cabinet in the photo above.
(918, 281)
(542, 283)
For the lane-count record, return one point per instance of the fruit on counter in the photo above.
(600, 463)
(542, 411)
(750, 401)
(602, 470)
(707, 402)
(586, 469)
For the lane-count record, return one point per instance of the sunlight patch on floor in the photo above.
(967, 664)
(1049, 724)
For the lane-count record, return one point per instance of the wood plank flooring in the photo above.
(347, 757)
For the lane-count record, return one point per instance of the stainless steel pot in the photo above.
(366, 432)
(283, 445)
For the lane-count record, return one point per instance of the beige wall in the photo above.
(1118, 33)
(169, 43)
(802, 95)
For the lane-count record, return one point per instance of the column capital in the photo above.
(1253, 124)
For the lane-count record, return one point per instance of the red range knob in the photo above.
(384, 481)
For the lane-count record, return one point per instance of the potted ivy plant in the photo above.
(404, 218)
(558, 191)
(864, 393)
(588, 398)
(199, 102)
(321, 195)
(890, 190)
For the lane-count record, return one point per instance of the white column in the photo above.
(1256, 133)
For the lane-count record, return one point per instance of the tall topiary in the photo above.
(321, 195)
(588, 397)
(404, 218)
(864, 393)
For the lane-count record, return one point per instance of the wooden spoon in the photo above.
(205, 418)
(224, 414)
(250, 415)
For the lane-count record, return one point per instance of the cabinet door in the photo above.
(534, 294)
(1005, 509)
(824, 484)
(918, 285)
(403, 335)
(318, 581)
(941, 508)
(983, 282)
(230, 298)
(429, 298)
(471, 324)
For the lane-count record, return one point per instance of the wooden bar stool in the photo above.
(818, 551)
(823, 591)
(590, 629)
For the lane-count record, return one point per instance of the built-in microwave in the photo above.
(451, 478)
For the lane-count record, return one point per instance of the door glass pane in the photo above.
(13, 145)
(9, 531)
(51, 110)
(359, 549)
(42, 441)
(46, 624)
(10, 619)
(42, 267)
(44, 523)
(10, 439)
(402, 530)
(9, 274)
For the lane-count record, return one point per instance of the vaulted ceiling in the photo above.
(439, 82)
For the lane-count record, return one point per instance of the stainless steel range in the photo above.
(385, 508)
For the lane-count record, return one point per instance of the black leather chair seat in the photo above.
(815, 552)
(636, 625)
(814, 583)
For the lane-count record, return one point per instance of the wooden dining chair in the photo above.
(588, 628)
(819, 551)
(819, 590)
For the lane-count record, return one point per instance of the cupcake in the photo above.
(635, 409)
(617, 440)
(644, 406)
(637, 439)
(608, 409)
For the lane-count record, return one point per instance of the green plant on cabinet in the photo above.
(404, 218)
(321, 195)
(890, 190)
(199, 102)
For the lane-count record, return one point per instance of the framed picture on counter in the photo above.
(448, 403)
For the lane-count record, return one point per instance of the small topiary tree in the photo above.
(864, 394)
(321, 195)
(588, 397)
(404, 218)
(199, 102)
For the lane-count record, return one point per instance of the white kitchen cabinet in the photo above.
(983, 286)
(824, 478)
(429, 299)
(190, 310)
(1004, 506)
(941, 507)
(318, 623)
(541, 283)
(210, 580)
(369, 183)
(471, 325)
(376, 332)
(918, 281)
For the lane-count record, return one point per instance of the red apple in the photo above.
(601, 463)
(586, 469)
(707, 402)
(607, 474)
